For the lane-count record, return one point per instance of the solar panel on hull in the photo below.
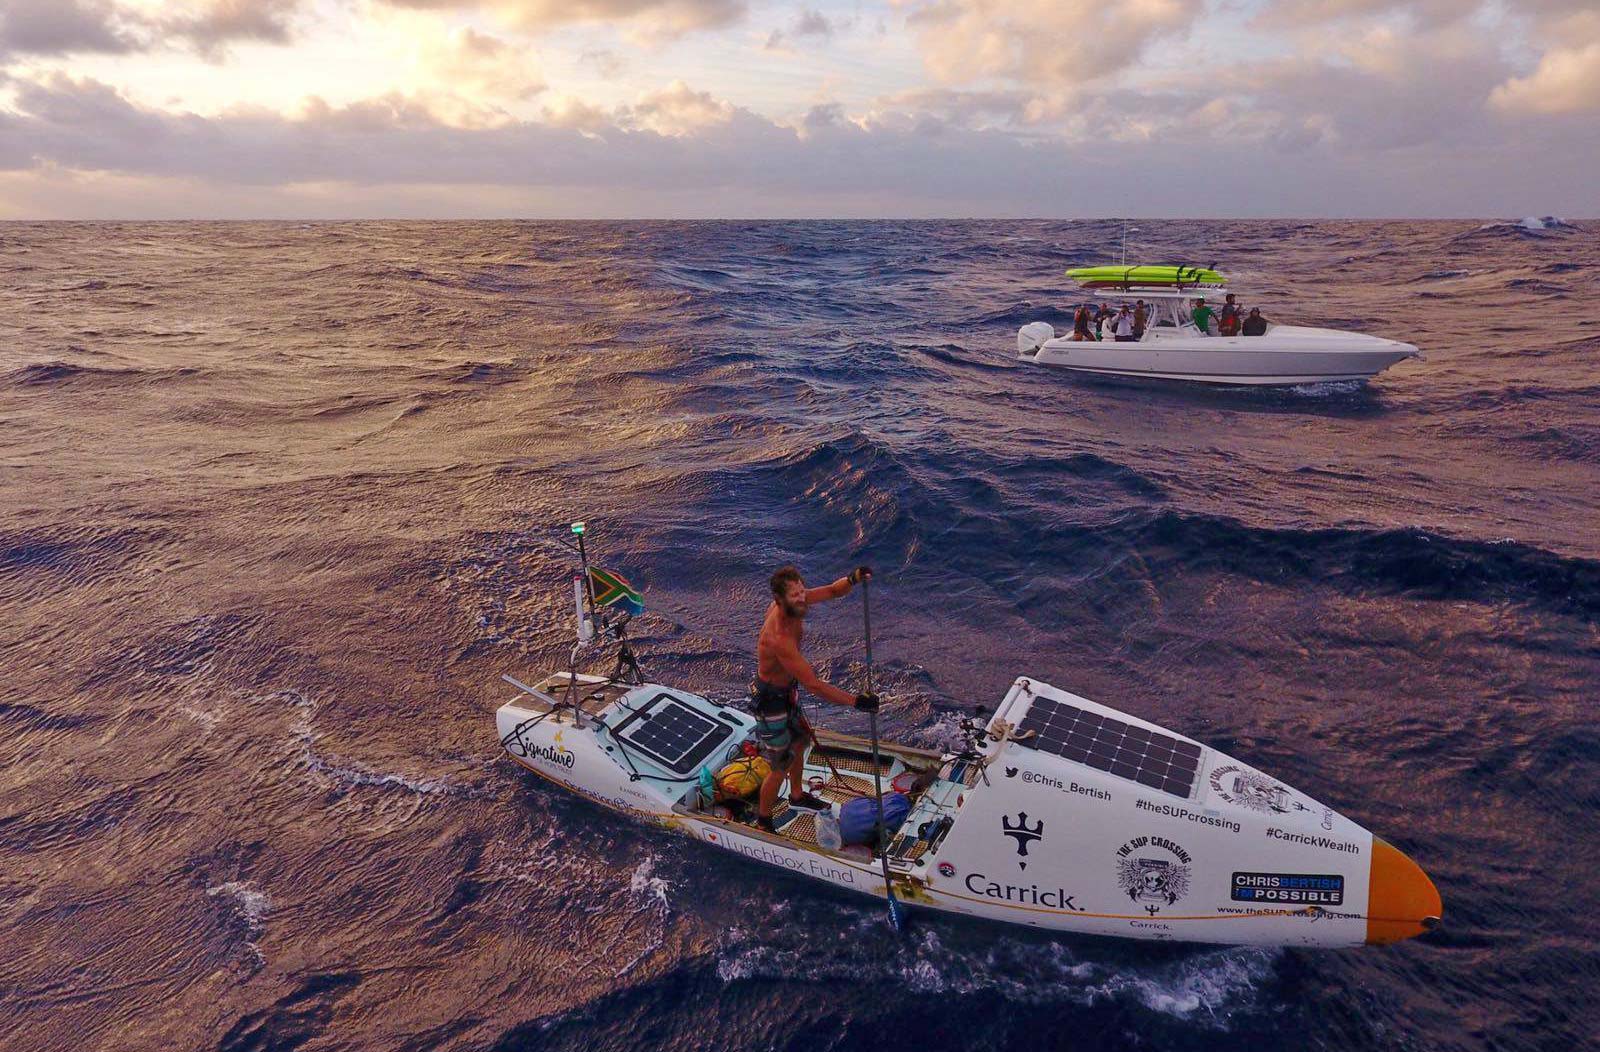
(1155, 760)
(672, 734)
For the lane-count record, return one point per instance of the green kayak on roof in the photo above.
(1124, 276)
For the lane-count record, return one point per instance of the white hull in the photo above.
(1285, 356)
(1040, 840)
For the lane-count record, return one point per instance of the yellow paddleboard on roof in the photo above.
(1116, 275)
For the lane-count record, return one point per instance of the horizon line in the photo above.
(793, 219)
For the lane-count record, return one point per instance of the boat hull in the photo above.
(1041, 842)
(1287, 356)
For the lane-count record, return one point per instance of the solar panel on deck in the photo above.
(671, 733)
(1106, 743)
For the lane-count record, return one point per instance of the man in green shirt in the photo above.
(1202, 317)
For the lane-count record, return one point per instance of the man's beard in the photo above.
(790, 610)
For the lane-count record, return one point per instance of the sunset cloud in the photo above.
(64, 27)
(483, 65)
(1282, 14)
(78, 27)
(647, 19)
(1567, 80)
(215, 23)
(1055, 41)
(906, 106)
(808, 25)
(677, 110)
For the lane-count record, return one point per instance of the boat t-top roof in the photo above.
(1157, 292)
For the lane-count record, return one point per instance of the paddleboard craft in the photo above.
(1058, 812)
(1145, 276)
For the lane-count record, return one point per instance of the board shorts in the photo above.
(780, 728)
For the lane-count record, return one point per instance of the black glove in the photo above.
(859, 574)
(867, 702)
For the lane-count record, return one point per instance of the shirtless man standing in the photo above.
(781, 729)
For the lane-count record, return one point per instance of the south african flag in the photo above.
(611, 589)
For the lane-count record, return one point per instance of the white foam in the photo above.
(208, 719)
(253, 905)
(357, 775)
(650, 889)
(249, 904)
(1328, 388)
(651, 893)
(1533, 224)
(1213, 984)
(944, 735)
(346, 773)
(1209, 987)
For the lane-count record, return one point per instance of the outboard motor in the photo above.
(1032, 336)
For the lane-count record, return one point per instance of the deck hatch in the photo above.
(671, 733)
(1150, 758)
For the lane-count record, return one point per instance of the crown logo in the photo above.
(1022, 833)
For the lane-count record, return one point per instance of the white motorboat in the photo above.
(1058, 813)
(1173, 348)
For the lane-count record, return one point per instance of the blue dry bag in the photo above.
(858, 817)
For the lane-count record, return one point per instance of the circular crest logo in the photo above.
(946, 869)
(1154, 872)
(1252, 791)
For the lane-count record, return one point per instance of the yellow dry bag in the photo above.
(742, 777)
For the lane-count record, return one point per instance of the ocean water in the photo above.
(280, 502)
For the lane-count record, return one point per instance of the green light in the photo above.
(577, 528)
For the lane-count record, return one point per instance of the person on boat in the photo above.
(1202, 316)
(782, 733)
(1255, 324)
(1080, 324)
(1124, 325)
(1103, 315)
(1228, 320)
(1141, 318)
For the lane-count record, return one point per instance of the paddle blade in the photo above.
(897, 914)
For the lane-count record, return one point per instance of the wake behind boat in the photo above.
(1172, 347)
(1057, 813)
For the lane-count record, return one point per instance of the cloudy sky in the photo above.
(557, 108)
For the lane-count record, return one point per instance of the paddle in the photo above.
(896, 914)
